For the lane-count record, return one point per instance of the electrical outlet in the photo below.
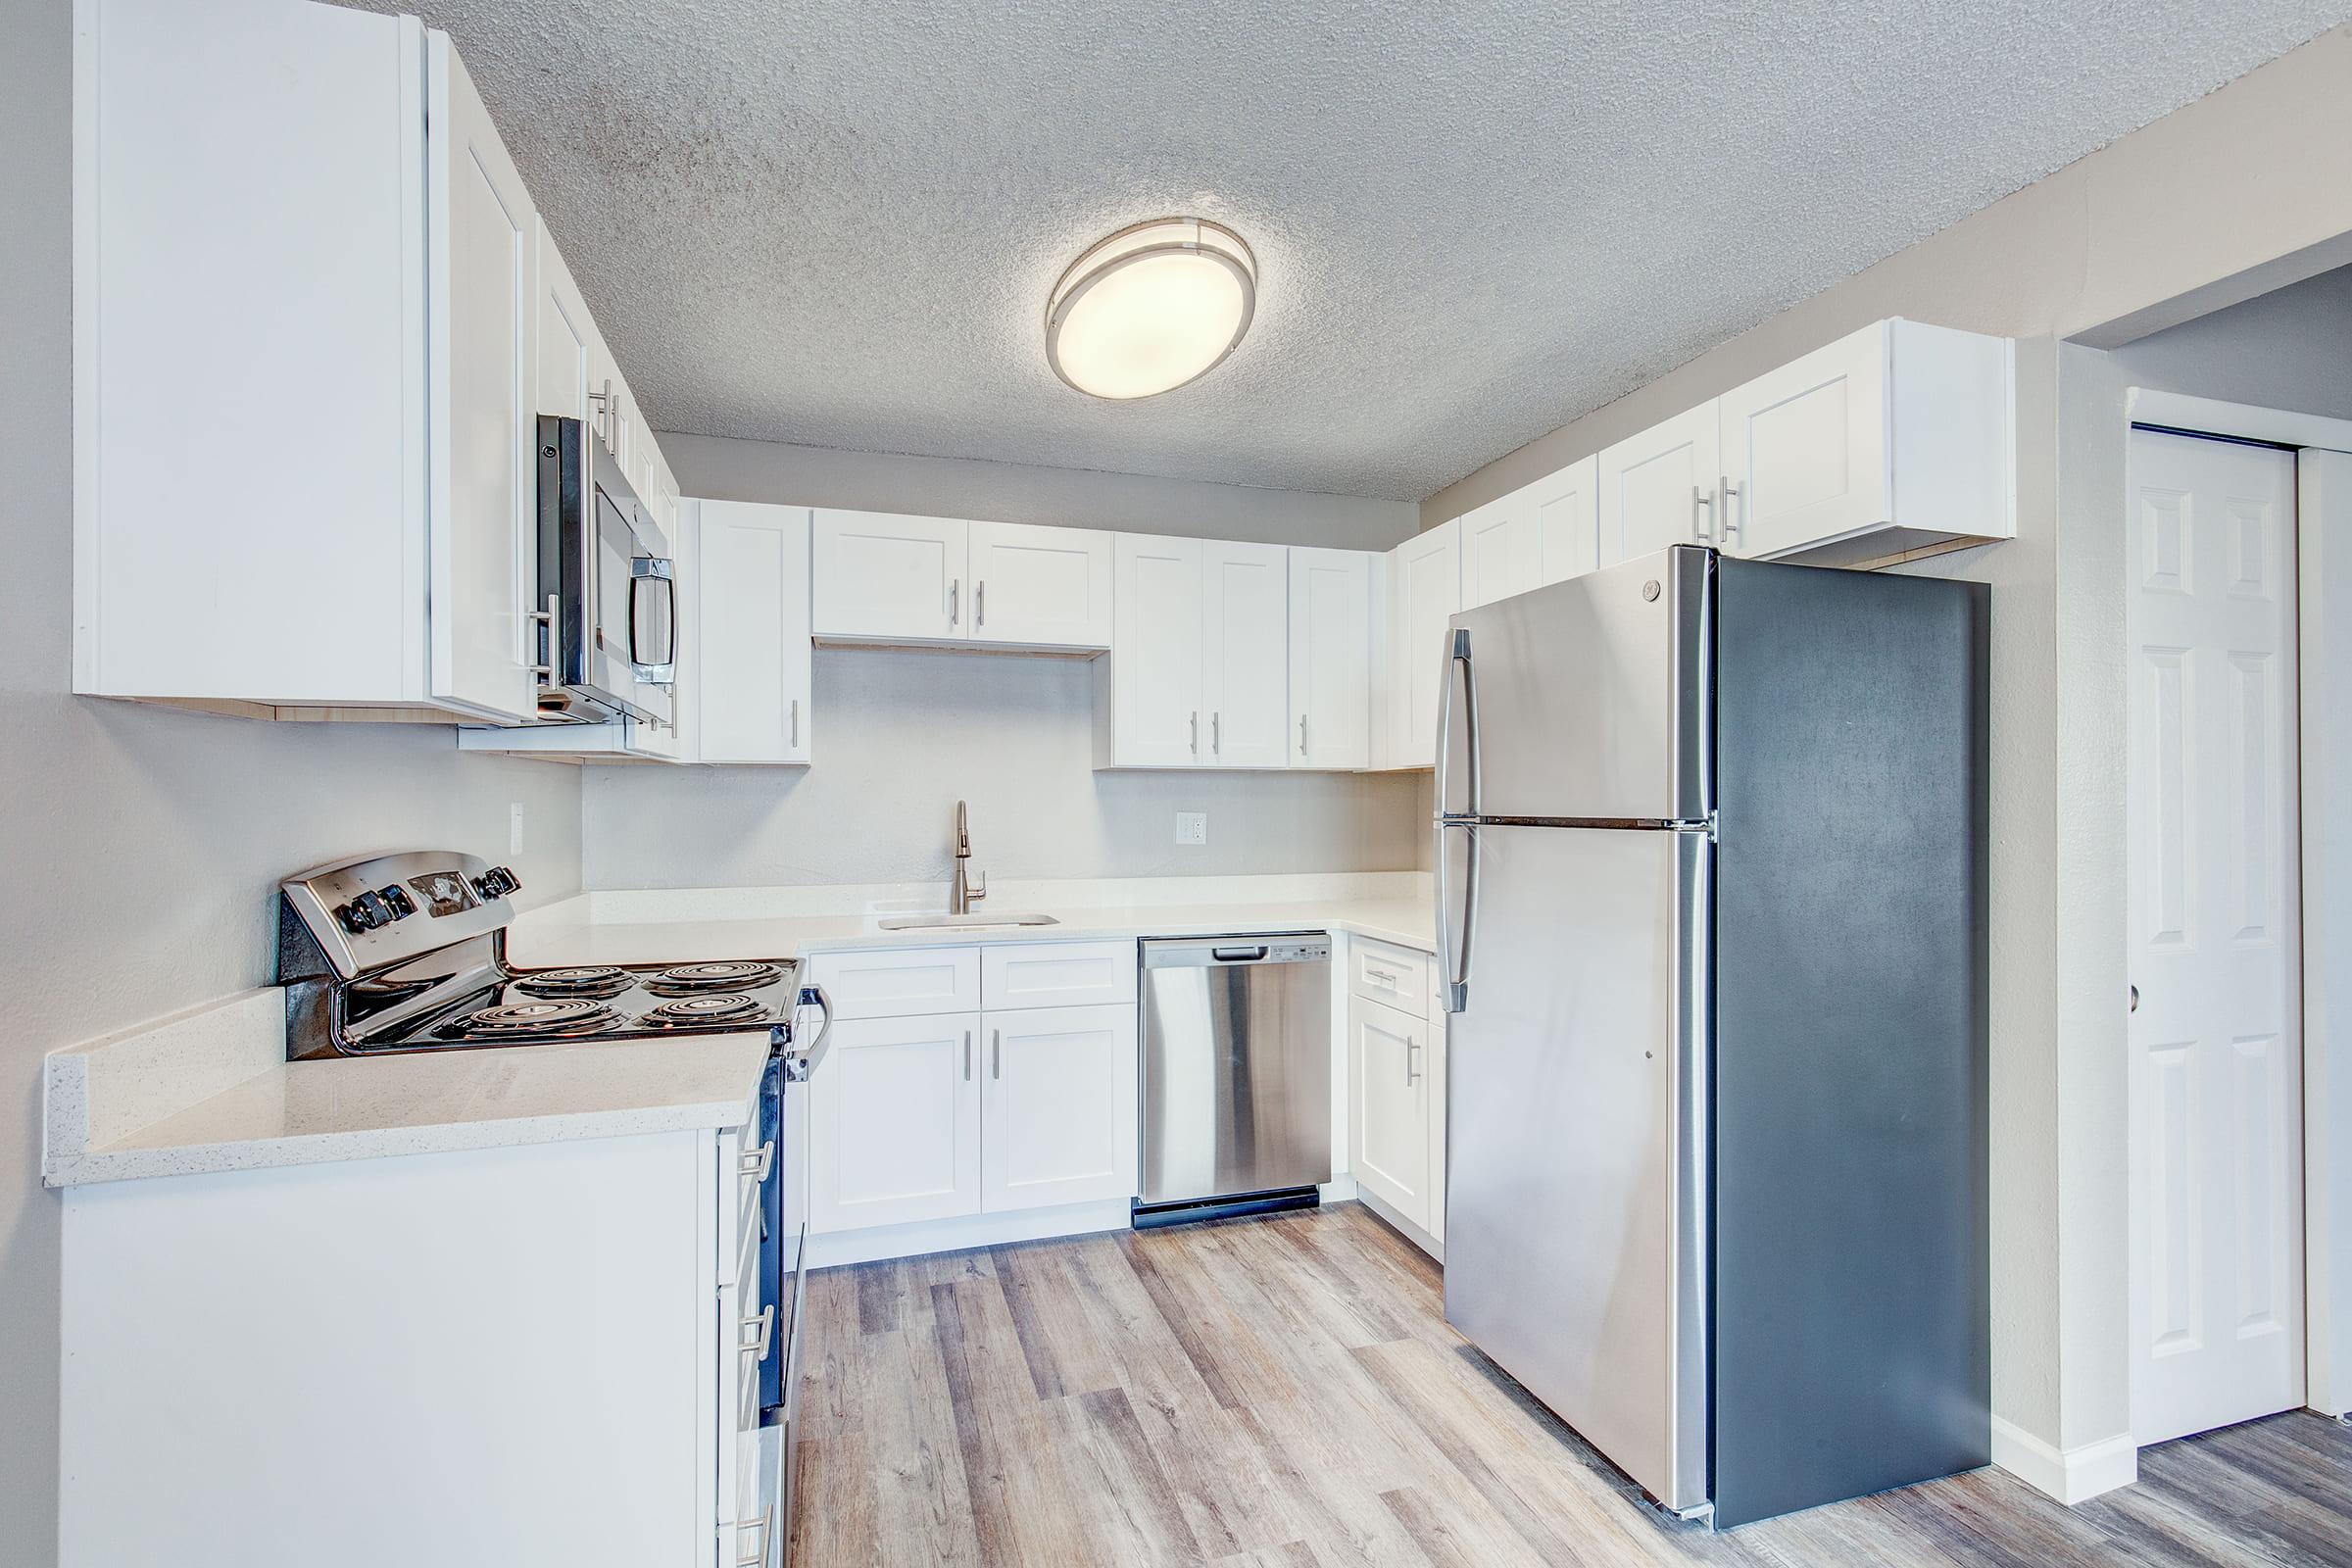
(1191, 827)
(515, 827)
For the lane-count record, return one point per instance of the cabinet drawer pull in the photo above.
(754, 1166)
(1703, 506)
(967, 1055)
(996, 1053)
(979, 603)
(758, 1530)
(1411, 1047)
(1724, 525)
(756, 1335)
(796, 722)
(1196, 732)
(1384, 976)
(954, 589)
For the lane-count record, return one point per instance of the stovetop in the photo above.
(615, 1002)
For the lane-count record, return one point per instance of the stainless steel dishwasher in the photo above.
(1237, 1075)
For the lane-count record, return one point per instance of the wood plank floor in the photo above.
(1284, 1393)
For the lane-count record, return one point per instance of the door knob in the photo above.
(2136, 998)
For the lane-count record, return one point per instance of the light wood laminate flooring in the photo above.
(1284, 1393)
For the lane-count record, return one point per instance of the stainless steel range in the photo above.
(409, 952)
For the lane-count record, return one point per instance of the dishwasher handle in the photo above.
(1214, 952)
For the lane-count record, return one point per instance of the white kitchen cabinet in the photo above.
(568, 344)
(1244, 681)
(888, 577)
(1658, 488)
(894, 1121)
(304, 342)
(1425, 592)
(1567, 512)
(1503, 548)
(1199, 661)
(894, 983)
(1058, 1117)
(1026, 975)
(747, 672)
(1331, 657)
(1158, 665)
(1892, 438)
(1040, 587)
(1389, 1108)
(542, 1338)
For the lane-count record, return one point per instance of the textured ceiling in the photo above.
(836, 223)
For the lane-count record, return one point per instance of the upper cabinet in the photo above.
(1503, 550)
(1658, 488)
(1897, 437)
(746, 634)
(306, 212)
(887, 577)
(1331, 641)
(1567, 512)
(1425, 585)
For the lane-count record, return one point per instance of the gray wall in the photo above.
(2287, 349)
(901, 736)
(2242, 192)
(142, 845)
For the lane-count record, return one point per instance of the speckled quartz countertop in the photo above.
(210, 1089)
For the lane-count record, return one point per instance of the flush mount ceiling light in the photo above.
(1150, 308)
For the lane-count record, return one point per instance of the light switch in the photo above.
(1191, 827)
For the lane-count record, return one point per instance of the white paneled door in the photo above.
(893, 1122)
(2217, 1253)
(1245, 601)
(1330, 632)
(1059, 1107)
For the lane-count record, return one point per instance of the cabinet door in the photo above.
(893, 1122)
(1805, 447)
(1567, 508)
(1246, 686)
(881, 574)
(1425, 572)
(1503, 550)
(751, 674)
(1331, 655)
(484, 530)
(1658, 488)
(1060, 1110)
(1434, 1061)
(1040, 587)
(567, 337)
(1157, 657)
(1389, 1106)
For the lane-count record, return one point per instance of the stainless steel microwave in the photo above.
(610, 641)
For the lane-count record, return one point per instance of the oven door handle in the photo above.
(799, 1065)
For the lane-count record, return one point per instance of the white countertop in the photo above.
(210, 1089)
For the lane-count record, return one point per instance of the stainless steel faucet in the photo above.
(963, 891)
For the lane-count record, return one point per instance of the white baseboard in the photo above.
(1404, 1227)
(2071, 1475)
(826, 1251)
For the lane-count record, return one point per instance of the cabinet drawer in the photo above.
(1397, 977)
(1057, 974)
(903, 983)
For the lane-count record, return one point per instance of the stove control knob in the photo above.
(364, 913)
(497, 882)
(397, 901)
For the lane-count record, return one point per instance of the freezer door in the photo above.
(1574, 1149)
(1586, 700)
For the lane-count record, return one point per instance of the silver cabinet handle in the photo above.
(1410, 1047)
(754, 1166)
(979, 603)
(796, 722)
(1381, 976)
(954, 587)
(1701, 506)
(1196, 732)
(756, 1335)
(1302, 734)
(1726, 492)
(967, 1055)
(758, 1529)
(996, 1053)
(1216, 732)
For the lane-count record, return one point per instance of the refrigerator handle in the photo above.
(1455, 897)
(1461, 687)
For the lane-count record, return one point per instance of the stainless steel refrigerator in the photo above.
(1711, 888)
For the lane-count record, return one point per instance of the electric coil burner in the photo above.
(409, 952)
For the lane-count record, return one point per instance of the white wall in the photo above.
(2287, 349)
(901, 736)
(141, 847)
(2247, 190)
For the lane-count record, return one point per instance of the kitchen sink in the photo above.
(962, 922)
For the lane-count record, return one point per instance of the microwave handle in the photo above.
(646, 574)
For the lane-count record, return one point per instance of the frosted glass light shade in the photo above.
(1150, 308)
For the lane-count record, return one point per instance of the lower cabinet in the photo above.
(949, 1115)
(1389, 1110)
